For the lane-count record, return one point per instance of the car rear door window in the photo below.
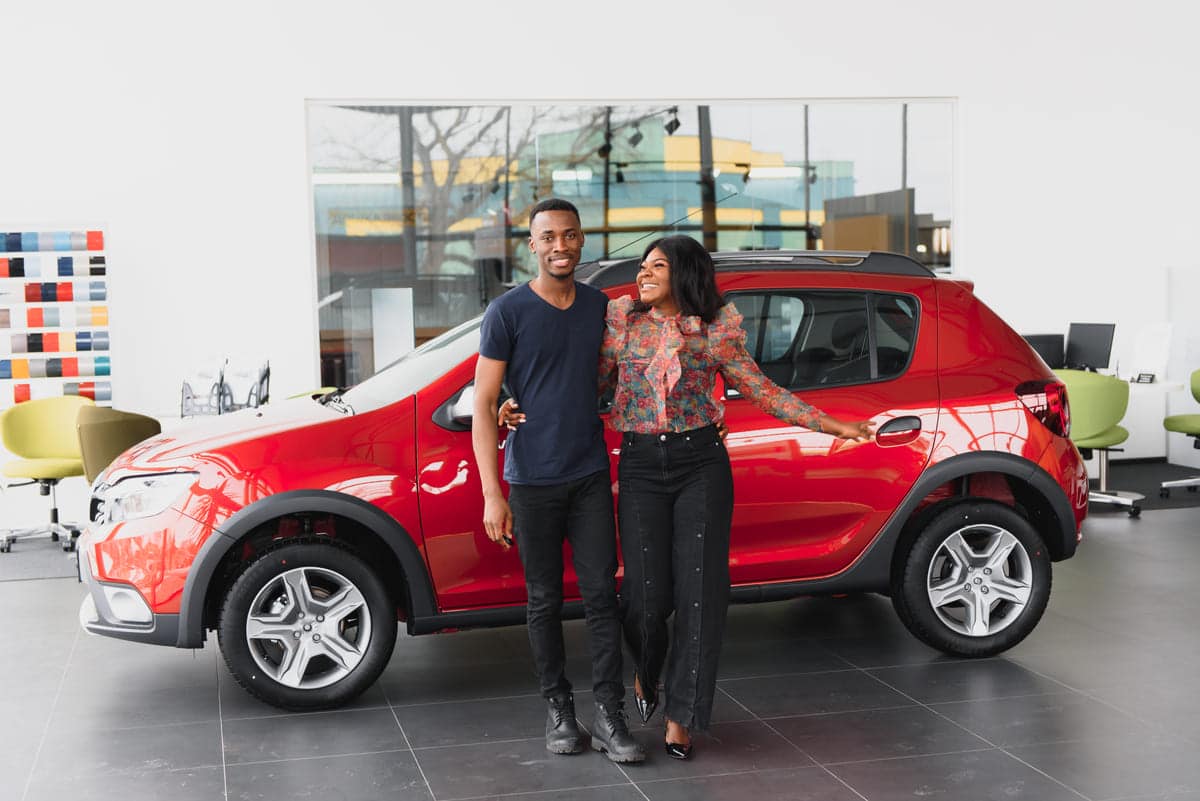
(807, 339)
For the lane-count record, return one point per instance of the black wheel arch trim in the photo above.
(871, 572)
(212, 552)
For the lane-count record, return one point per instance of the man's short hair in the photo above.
(553, 204)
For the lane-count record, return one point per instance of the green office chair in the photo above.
(104, 434)
(1098, 403)
(1184, 424)
(41, 434)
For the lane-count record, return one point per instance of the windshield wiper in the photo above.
(334, 400)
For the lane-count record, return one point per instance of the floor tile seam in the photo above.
(221, 731)
(499, 741)
(90, 776)
(470, 700)
(985, 739)
(40, 578)
(534, 793)
(788, 673)
(311, 757)
(1090, 694)
(1165, 796)
(776, 718)
(408, 742)
(796, 746)
(629, 779)
(902, 757)
(49, 718)
(113, 729)
(1035, 769)
(314, 713)
(756, 771)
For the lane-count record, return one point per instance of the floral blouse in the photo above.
(664, 370)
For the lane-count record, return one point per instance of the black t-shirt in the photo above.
(552, 357)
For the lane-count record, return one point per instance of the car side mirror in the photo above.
(457, 412)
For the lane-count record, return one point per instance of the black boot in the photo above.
(562, 730)
(610, 735)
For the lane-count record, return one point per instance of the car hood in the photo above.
(182, 443)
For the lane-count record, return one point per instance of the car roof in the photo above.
(614, 272)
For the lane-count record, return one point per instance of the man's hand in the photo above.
(508, 416)
(497, 520)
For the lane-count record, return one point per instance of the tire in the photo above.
(341, 657)
(992, 550)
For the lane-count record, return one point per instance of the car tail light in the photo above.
(1047, 399)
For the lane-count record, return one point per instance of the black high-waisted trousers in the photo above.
(674, 513)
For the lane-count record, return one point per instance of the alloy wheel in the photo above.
(979, 580)
(308, 627)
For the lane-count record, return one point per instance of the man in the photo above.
(544, 338)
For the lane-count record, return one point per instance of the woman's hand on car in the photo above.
(508, 416)
(859, 431)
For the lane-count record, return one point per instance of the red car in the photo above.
(302, 531)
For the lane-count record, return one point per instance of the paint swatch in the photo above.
(98, 391)
(77, 316)
(32, 242)
(59, 367)
(58, 342)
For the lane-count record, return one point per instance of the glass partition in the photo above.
(421, 212)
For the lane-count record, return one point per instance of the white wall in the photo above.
(182, 134)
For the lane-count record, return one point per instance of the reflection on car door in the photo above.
(806, 503)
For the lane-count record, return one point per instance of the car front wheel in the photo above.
(307, 626)
(975, 581)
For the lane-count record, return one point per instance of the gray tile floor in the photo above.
(826, 699)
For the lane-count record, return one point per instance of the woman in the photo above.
(664, 351)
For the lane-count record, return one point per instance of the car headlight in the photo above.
(143, 496)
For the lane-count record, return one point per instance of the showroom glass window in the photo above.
(421, 212)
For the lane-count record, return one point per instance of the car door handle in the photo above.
(898, 431)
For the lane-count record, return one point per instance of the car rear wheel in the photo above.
(307, 626)
(975, 580)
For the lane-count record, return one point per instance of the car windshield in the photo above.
(415, 369)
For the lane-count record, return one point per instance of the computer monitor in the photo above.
(1089, 345)
(1050, 347)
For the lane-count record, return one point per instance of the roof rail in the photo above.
(613, 272)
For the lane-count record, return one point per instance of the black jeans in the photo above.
(580, 512)
(675, 510)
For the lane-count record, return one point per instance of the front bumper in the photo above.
(100, 612)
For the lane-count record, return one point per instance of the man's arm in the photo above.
(497, 517)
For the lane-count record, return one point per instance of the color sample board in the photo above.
(54, 316)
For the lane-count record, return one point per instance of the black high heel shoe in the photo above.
(678, 750)
(646, 701)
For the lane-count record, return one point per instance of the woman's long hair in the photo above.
(693, 277)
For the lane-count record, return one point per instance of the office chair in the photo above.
(1098, 403)
(41, 434)
(104, 434)
(1184, 424)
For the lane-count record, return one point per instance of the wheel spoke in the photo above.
(979, 614)
(1010, 589)
(294, 664)
(1000, 547)
(340, 651)
(299, 592)
(267, 627)
(948, 592)
(345, 602)
(957, 549)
